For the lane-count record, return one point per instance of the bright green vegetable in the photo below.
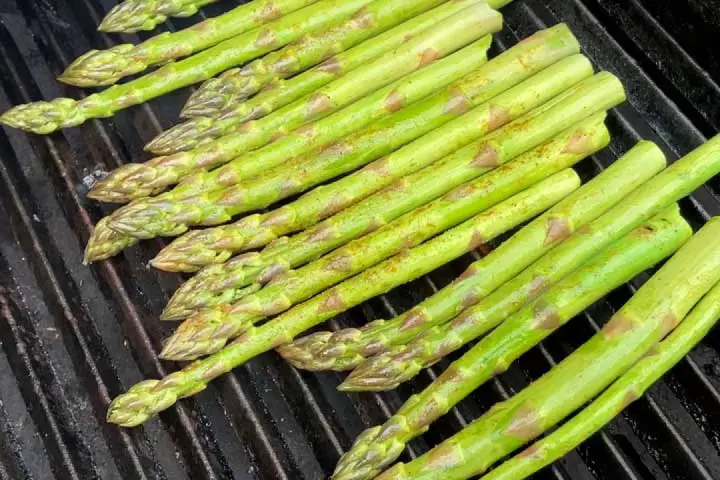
(406, 193)
(348, 348)
(362, 86)
(46, 117)
(628, 388)
(634, 330)
(105, 67)
(152, 396)
(199, 248)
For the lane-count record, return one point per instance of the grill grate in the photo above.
(73, 337)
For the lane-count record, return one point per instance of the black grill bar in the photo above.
(74, 337)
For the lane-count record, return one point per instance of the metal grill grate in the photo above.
(73, 337)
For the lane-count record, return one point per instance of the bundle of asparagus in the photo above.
(229, 285)
(412, 192)
(138, 180)
(650, 315)
(105, 67)
(46, 117)
(237, 84)
(625, 390)
(208, 331)
(199, 248)
(232, 86)
(210, 122)
(152, 396)
(134, 15)
(379, 446)
(348, 348)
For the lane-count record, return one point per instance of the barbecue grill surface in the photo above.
(74, 337)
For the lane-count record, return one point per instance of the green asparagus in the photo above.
(284, 92)
(46, 117)
(379, 446)
(633, 331)
(132, 16)
(606, 270)
(199, 248)
(235, 85)
(209, 330)
(152, 396)
(409, 192)
(138, 180)
(348, 348)
(628, 388)
(106, 67)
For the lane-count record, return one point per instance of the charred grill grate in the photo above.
(73, 337)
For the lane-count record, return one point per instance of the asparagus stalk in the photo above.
(208, 331)
(237, 84)
(200, 248)
(650, 315)
(137, 180)
(152, 396)
(628, 388)
(46, 117)
(106, 67)
(210, 116)
(132, 16)
(409, 192)
(348, 348)
(604, 272)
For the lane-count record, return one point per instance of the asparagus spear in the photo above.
(348, 348)
(628, 388)
(208, 331)
(105, 67)
(137, 180)
(411, 192)
(209, 116)
(198, 248)
(605, 271)
(654, 311)
(134, 15)
(46, 117)
(152, 396)
(235, 85)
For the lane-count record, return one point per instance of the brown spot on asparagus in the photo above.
(469, 273)
(618, 326)
(466, 318)
(266, 39)
(281, 216)
(267, 13)
(331, 66)
(558, 229)
(497, 116)
(546, 317)
(427, 56)
(487, 157)
(524, 424)
(340, 263)
(415, 318)
(318, 104)
(630, 396)
(470, 299)
(458, 103)
(669, 322)
(322, 232)
(307, 131)
(379, 167)
(444, 455)
(538, 286)
(231, 196)
(579, 143)
(289, 186)
(333, 303)
(531, 452)
(395, 101)
(363, 19)
(373, 348)
(334, 205)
